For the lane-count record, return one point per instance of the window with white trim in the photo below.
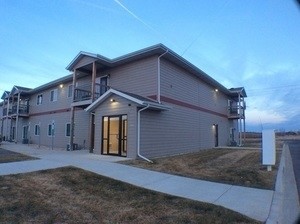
(39, 99)
(51, 130)
(70, 90)
(37, 130)
(53, 95)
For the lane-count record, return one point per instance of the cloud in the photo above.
(254, 69)
(256, 117)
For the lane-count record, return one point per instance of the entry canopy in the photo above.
(140, 100)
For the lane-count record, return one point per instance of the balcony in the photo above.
(23, 110)
(83, 94)
(5, 112)
(236, 112)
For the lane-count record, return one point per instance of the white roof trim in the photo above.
(153, 105)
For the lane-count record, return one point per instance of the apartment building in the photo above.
(148, 103)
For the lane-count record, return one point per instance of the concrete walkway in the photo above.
(254, 203)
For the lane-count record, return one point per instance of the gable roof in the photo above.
(158, 49)
(19, 89)
(239, 90)
(140, 100)
(5, 95)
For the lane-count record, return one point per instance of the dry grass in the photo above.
(7, 156)
(71, 195)
(232, 166)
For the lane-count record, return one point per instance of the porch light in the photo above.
(112, 100)
(216, 90)
(61, 86)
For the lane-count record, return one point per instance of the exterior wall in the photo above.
(63, 101)
(188, 126)
(120, 107)
(139, 77)
(180, 130)
(6, 124)
(178, 84)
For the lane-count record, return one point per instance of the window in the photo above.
(39, 99)
(68, 130)
(70, 90)
(53, 95)
(25, 132)
(101, 85)
(37, 130)
(51, 128)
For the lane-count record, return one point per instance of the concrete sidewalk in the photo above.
(254, 203)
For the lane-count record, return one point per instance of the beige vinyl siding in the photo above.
(82, 128)
(61, 119)
(178, 84)
(139, 77)
(183, 129)
(180, 130)
(120, 107)
(84, 61)
(62, 102)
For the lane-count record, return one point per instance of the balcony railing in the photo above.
(236, 112)
(5, 111)
(82, 93)
(23, 109)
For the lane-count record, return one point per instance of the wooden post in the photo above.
(17, 119)
(72, 123)
(94, 72)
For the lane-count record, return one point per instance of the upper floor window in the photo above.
(70, 90)
(53, 95)
(101, 85)
(39, 99)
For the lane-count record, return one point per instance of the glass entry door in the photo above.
(114, 135)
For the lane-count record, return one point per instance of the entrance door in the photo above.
(216, 135)
(114, 135)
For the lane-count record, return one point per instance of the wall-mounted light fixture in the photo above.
(112, 100)
(216, 90)
(61, 86)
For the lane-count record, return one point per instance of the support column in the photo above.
(240, 121)
(94, 80)
(17, 118)
(72, 122)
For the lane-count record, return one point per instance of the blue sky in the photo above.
(250, 43)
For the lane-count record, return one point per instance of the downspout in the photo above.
(158, 76)
(139, 134)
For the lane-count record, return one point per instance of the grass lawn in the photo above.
(7, 156)
(232, 166)
(71, 195)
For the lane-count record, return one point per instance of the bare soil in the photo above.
(232, 166)
(71, 195)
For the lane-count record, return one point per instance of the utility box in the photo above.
(268, 148)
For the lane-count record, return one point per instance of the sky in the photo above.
(249, 43)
